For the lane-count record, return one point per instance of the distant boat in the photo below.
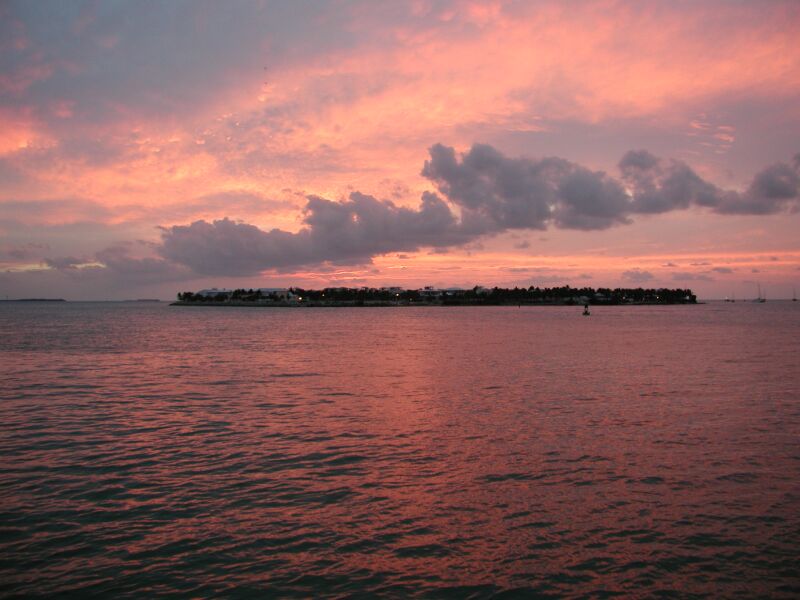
(760, 298)
(586, 312)
(794, 294)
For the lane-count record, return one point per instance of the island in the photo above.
(429, 296)
(34, 300)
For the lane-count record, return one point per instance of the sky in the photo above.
(148, 148)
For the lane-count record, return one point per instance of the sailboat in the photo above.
(794, 294)
(760, 298)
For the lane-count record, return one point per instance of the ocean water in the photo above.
(442, 452)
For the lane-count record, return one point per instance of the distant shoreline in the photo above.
(379, 304)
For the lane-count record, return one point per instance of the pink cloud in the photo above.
(155, 116)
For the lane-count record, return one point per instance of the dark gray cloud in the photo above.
(497, 193)
(357, 229)
(492, 194)
(349, 232)
(773, 190)
(589, 200)
(659, 186)
(225, 247)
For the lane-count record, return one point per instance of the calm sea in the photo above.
(460, 452)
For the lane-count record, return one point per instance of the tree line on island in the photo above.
(392, 296)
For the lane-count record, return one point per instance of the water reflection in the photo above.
(399, 451)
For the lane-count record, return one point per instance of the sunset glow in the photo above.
(135, 139)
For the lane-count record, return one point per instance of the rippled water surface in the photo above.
(401, 452)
